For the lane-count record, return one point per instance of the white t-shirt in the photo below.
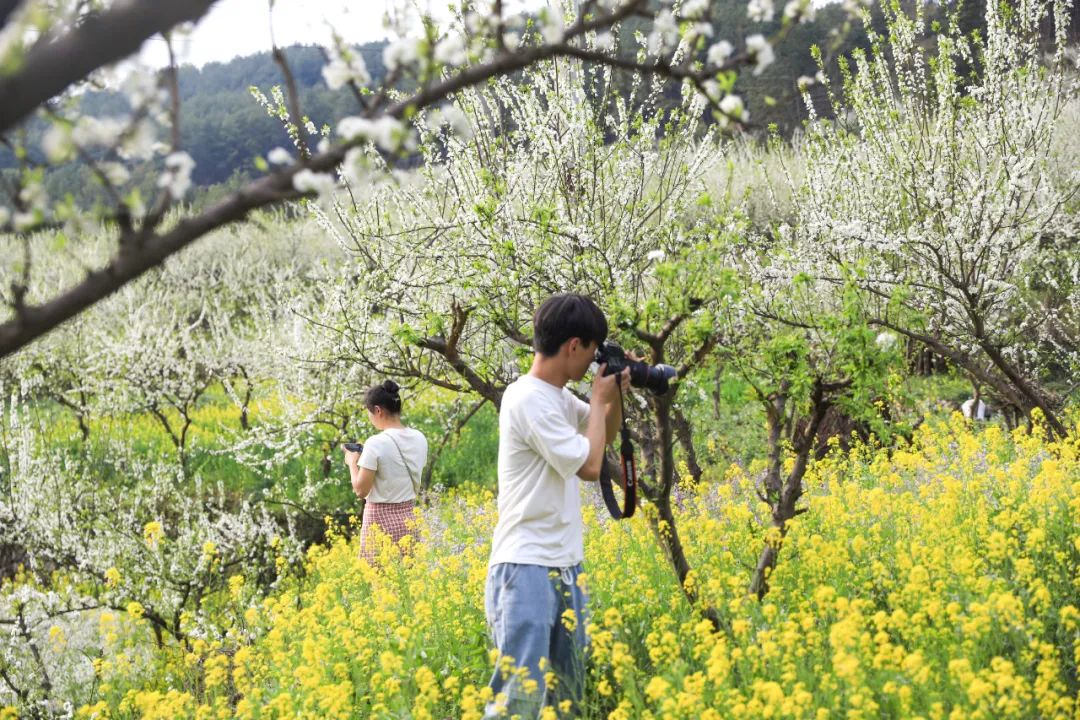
(541, 448)
(392, 481)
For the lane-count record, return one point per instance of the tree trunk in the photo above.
(667, 527)
(686, 438)
(783, 497)
(1033, 395)
(245, 421)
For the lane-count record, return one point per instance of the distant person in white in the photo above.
(974, 409)
(548, 440)
(387, 472)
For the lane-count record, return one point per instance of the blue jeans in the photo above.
(525, 607)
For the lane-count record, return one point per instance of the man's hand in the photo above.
(605, 416)
(605, 388)
(613, 410)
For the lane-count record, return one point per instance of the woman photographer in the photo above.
(387, 472)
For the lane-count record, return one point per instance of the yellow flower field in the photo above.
(938, 581)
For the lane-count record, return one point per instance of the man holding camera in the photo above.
(548, 441)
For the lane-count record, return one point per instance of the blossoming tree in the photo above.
(941, 197)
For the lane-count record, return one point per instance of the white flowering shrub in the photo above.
(126, 534)
(941, 197)
(107, 529)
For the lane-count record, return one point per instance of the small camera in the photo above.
(643, 375)
(354, 447)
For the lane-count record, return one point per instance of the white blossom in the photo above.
(354, 166)
(402, 54)
(719, 53)
(433, 119)
(354, 127)
(116, 173)
(140, 142)
(698, 30)
(57, 144)
(450, 50)
(552, 26)
(176, 179)
(762, 52)
(475, 22)
(693, 9)
(885, 341)
(732, 106)
(279, 156)
(760, 11)
(307, 181)
(458, 121)
(341, 70)
(800, 11)
(604, 42)
(141, 88)
(91, 131)
(34, 196)
(665, 33)
(387, 132)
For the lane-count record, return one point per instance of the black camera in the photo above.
(353, 447)
(642, 374)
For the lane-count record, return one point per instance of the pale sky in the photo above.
(242, 27)
(235, 28)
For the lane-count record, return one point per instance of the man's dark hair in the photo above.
(562, 317)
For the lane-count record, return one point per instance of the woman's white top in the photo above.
(393, 483)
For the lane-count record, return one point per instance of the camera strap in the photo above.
(629, 474)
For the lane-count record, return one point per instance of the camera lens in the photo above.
(642, 374)
(651, 377)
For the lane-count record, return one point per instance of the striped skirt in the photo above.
(392, 519)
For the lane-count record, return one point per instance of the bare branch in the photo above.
(172, 80)
(295, 118)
